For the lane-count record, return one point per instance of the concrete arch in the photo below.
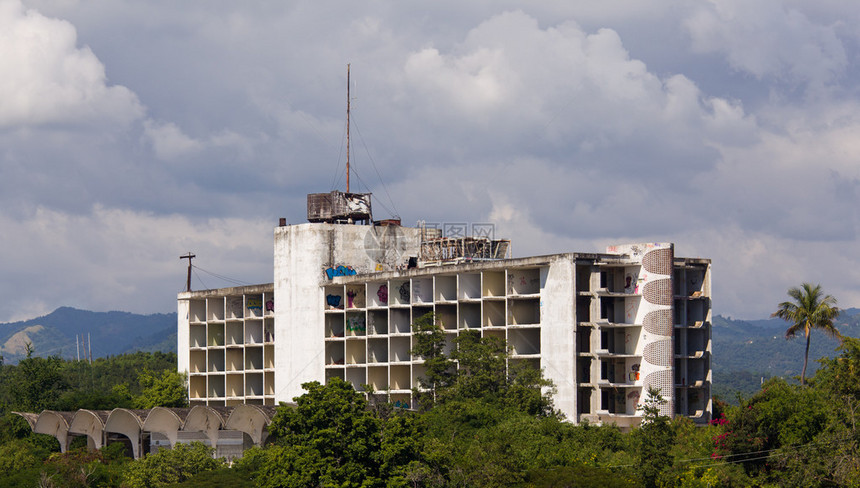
(128, 423)
(55, 424)
(165, 421)
(31, 418)
(90, 423)
(252, 420)
(206, 419)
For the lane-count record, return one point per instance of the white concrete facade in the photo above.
(603, 326)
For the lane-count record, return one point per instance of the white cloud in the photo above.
(168, 140)
(769, 38)
(45, 78)
(110, 259)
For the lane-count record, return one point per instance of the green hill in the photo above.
(111, 333)
(745, 351)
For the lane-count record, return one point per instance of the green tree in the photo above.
(35, 384)
(170, 466)
(655, 438)
(808, 309)
(478, 368)
(840, 376)
(329, 439)
(18, 455)
(482, 366)
(164, 389)
(429, 344)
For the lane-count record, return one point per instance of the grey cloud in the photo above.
(770, 39)
(575, 125)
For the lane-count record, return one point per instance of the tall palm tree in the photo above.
(809, 309)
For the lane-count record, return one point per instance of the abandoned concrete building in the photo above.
(603, 326)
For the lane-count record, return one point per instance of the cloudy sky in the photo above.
(132, 132)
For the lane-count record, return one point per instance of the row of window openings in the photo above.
(232, 386)
(233, 361)
(623, 310)
(628, 372)
(232, 308)
(624, 401)
(690, 282)
(625, 341)
(450, 288)
(213, 335)
(469, 316)
(398, 349)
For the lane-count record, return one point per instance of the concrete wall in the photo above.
(558, 335)
(306, 257)
(182, 351)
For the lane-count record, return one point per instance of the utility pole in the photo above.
(189, 257)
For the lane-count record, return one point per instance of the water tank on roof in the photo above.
(339, 207)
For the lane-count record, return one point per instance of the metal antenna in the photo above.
(347, 128)
(189, 257)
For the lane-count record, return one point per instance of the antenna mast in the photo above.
(347, 128)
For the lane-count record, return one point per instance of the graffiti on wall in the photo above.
(356, 324)
(631, 283)
(270, 305)
(333, 301)
(382, 294)
(255, 305)
(341, 270)
(404, 292)
(634, 373)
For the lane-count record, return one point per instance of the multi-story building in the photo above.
(602, 326)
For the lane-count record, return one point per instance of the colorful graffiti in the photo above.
(270, 305)
(356, 324)
(255, 305)
(333, 301)
(634, 373)
(350, 299)
(382, 294)
(341, 270)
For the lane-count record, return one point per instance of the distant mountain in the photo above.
(746, 350)
(111, 333)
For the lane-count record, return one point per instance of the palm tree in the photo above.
(809, 309)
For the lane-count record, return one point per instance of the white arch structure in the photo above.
(90, 423)
(135, 425)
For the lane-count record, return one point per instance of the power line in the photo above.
(200, 279)
(222, 277)
(373, 163)
(337, 176)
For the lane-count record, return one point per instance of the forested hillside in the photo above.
(109, 332)
(747, 352)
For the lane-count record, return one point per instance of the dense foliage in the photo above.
(37, 383)
(483, 420)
